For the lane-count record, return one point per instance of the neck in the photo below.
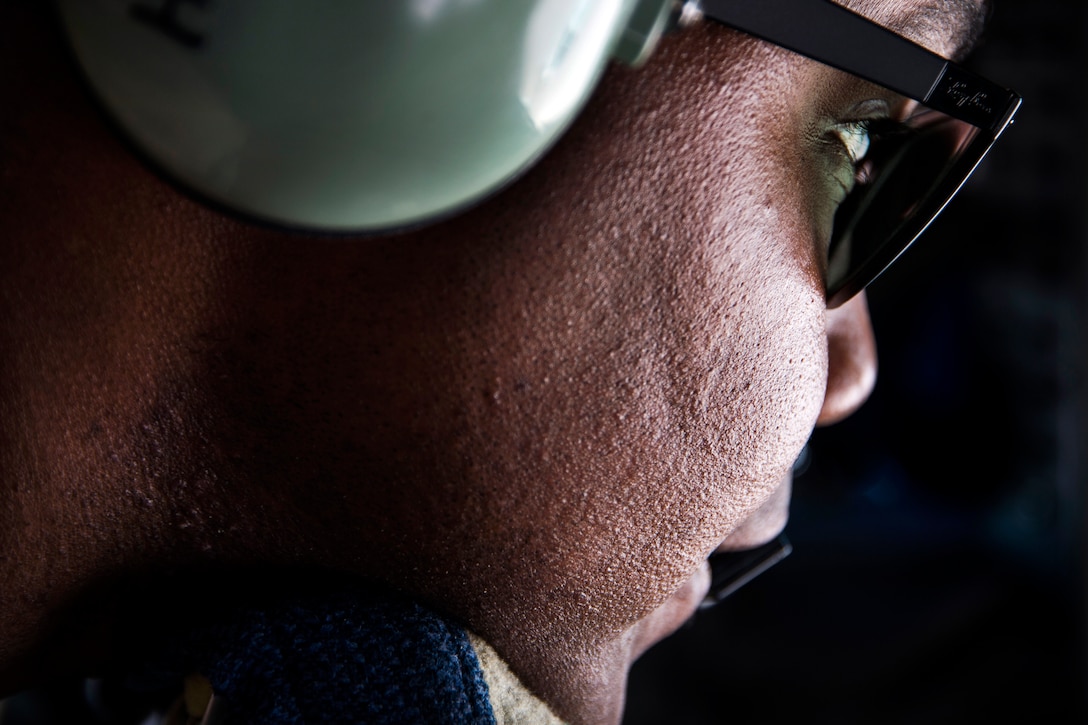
(108, 468)
(86, 509)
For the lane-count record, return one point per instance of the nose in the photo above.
(851, 360)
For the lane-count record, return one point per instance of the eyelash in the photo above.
(868, 134)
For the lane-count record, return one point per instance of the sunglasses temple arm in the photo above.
(732, 570)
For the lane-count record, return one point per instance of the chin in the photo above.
(672, 614)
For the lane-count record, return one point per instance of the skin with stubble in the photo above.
(539, 417)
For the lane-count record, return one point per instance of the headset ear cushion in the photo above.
(361, 116)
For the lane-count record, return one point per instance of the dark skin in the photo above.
(539, 417)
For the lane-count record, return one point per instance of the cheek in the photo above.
(648, 394)
(659, 360)
(634, 355)
(746, 380)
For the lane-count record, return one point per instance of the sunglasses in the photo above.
(912, 168)
(729, 571)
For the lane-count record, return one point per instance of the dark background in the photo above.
(937, 574)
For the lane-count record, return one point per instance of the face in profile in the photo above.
(540, 416)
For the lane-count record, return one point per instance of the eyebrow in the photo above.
(959, 23)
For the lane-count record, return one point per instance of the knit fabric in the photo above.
(346, 656)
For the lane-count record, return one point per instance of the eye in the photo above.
(854, 136)
(870, 145)
(851, 143)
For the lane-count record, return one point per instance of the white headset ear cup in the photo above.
(343, 116)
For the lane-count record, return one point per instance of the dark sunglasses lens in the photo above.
(910, 172)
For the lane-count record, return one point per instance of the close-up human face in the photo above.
(548, 411)
(675, 268)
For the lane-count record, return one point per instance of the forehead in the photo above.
(947, 27)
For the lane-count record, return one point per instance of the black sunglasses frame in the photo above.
(840, 38)
(729, 571)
